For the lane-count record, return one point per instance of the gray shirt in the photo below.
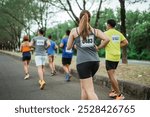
(86, 50)
(40, 43)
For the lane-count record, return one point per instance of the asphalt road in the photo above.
(14, 87)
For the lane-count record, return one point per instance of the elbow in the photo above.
(68, 48)
(107, 40)
(127, 43)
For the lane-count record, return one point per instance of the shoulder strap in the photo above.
(94, 31)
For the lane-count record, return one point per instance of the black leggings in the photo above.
(87, 69)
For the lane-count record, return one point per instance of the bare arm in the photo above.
(61, 45)
(48, 44)
(70, 40)
(103, 37)
(31, 44)
(124, 43)
(21, 48)
(56, 46)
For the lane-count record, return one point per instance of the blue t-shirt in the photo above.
(51, 49)
(66, 53)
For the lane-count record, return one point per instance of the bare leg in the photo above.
(40, 72)
(65, 67)
(114, 82)
(25, 65)
(87, 89)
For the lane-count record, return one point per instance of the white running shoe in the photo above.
(27, 76)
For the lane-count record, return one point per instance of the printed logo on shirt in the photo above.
(89, 42)
(40, 42)
(115, 38)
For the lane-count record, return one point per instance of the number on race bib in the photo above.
(68, 51)
(40, 42)
(89, 42)
(115, 38)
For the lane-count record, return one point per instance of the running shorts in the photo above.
(66, 61)
(87, 69)
(26, 56)
(40, 60)
(111, 64)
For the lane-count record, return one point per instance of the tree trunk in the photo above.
(123, 29)
(98, 14)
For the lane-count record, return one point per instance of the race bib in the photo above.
(68, 51)
(40, 42)
(115, 38)
(89, 42)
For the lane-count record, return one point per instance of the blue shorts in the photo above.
(26, 56)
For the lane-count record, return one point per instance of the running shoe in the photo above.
(120, 97)
(112, 94)
(68, 76)
(27, 76)
(42, 84)
(40, 81)
(52, 74)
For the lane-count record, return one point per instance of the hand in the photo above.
(96, 47)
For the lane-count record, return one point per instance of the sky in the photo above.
(63, 16)
(113, 4)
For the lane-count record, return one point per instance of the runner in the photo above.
(26, 55)
(113, 53)
(41, 44)
(87, 56)
(51, 53)
(66, 56)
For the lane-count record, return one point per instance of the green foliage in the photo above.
(145, 55)
(18, 15)
(101, 52)
(132, 53)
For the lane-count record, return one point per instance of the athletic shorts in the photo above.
(66, 61)
(26, 56)
(111, 64)
(87, 69)
(40, 60)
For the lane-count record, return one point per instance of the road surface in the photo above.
(14, 87)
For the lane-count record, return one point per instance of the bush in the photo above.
(132, 55)
(145, 55)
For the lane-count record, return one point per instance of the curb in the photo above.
(138, 91)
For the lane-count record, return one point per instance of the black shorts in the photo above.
(66, 61)
(26, 56)
(111, 64)
(87, 69)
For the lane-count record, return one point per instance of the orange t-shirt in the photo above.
(25, 47)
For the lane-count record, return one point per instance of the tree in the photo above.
(123, 28)
(82, 5)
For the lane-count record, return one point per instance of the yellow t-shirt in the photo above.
(112, 50)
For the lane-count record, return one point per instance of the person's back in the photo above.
(40, 45)
(113, 47)
(113, 53)
(66, 53)
(26, 55)
(66, 56)
(25, 47)
(87, 57)
(51, 49)
(86, 51)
